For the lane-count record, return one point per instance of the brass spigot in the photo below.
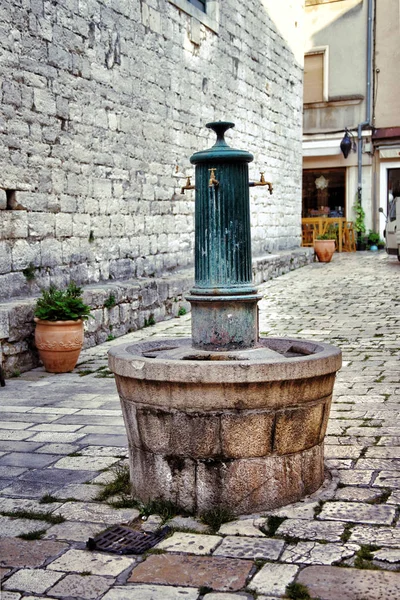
(213, 182)
(188, 186)
(262, 182)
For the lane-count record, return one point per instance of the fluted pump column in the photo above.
(224, 301)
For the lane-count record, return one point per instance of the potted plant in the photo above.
(325, 245)
(374, 240)
(359, 224)
(59, 317)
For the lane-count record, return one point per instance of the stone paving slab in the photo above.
(221, 574)
(32, 580)
(29, 489)
(12, 527)
(20, 553)
(152, 592)
(187, 523)
(356, 494)
(89, 587)
(379, 514)
(241, 527)
(24, 504)
(228, 596)
(192, 543)
(376, 536)
(334, 583)
(311, 530)
(97, 513)
(273, 579)
(314, 553)
(74, 531)
(81, 561)
(81, 463)
(253, 548)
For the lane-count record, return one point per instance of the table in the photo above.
(321, 224)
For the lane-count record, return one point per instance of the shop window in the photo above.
(315, 76)
(324, 193)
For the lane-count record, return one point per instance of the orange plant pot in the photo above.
(324, 249)
(59, 344)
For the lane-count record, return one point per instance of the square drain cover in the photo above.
(123, 540)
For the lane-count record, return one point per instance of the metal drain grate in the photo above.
(122, 540)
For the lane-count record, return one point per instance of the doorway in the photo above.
(389, 189)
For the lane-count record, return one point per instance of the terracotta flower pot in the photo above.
(59, 344)
(324, 249)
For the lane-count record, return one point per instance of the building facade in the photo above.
(350, 84)
(100, 101)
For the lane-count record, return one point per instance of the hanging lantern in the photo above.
(345, 145)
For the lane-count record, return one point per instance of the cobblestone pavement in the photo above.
(62, 439)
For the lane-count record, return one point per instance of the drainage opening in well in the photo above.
(225, 419)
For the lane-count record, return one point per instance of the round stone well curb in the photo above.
(242, 430)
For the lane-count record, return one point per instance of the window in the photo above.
(316, 76)
(324, 192)
(201, 4)
(203, 11)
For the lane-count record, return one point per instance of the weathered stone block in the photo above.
(41, 225)
(25, 253)
(298, 429)
(178, 433)
(4, 326)
(14, 225)
(5, 257)
(178, 476)
(247, 434)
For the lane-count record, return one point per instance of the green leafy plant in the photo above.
(330, 234)
(181, 311)
(297, 591)
(373, 237)
(62, 305)
(359, 223)
(150, 321)
(215, 517)
(120, 486)
(110, 302)
(29, 272)
(364, 558)
(37, 516)
(32, 535)
(273, 522)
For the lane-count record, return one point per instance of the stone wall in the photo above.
(121, 307)
(100, 101)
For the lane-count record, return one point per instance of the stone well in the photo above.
(225, 419)
(242, 430)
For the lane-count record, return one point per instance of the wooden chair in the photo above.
(308, 233)
(349, 238)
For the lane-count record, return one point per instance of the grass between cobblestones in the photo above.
(35, 516)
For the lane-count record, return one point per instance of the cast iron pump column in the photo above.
(224, 300)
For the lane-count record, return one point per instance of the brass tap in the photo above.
(188, 186)
(213, 182)
(262, 182)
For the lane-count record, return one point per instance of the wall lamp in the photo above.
(348, 143)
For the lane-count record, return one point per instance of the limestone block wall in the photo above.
(100, 101)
